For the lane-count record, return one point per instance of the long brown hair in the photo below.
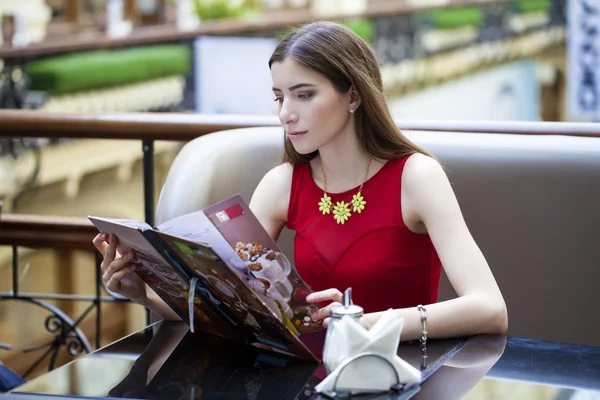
(344, 58)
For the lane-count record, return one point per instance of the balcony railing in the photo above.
(77, 233)
(169, 33)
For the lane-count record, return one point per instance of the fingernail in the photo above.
(309, 297)
(313, 317)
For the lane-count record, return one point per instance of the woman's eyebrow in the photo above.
(292, 88)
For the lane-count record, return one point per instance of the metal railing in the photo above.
(53, 232)
(269, 22)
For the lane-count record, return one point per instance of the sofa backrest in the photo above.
(531, 203)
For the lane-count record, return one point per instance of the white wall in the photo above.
(232, 75)
(507, 92)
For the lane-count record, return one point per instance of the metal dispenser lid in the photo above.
(347, 308)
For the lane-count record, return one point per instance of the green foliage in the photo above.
(107, 68)
(363, 27)
(217, 9)
(453, 17)
(529, 6)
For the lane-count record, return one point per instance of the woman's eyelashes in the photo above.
(306, 95)
(303, 96)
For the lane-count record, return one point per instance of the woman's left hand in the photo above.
(332, 295)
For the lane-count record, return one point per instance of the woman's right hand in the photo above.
(117, 272)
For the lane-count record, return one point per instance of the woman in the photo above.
(371, 210)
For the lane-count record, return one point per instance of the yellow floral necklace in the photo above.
(341, 210)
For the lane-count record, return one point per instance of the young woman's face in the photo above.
(311, 111)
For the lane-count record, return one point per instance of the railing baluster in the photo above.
(148, 149)
(15, 270)
(148, 162)
(97, 301)
(55, 350)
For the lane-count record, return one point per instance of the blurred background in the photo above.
(441, 60)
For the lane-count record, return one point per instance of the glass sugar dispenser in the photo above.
(334, 349)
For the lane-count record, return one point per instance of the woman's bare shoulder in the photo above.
(271, 198)
(419, 171)
(423, 181)
(278, 179)
(282, 172)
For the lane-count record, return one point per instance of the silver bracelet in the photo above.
(423, 339)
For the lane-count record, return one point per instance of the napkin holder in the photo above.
(364, 361)
(384, 364)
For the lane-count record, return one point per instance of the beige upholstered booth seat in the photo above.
(531, 202)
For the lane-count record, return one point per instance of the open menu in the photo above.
(221, 261)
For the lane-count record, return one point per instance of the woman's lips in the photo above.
(295, 135)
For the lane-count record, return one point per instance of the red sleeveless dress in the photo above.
(386, 264)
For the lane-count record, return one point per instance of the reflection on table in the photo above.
(166, 361)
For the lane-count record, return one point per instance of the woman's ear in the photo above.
(355, 100)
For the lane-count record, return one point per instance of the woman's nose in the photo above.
(286, 115)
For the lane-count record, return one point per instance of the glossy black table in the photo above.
(166, 361)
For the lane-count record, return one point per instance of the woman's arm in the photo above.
(119, 277)
(154, 303)
(269, 203)
(271, 198)
(480, 307)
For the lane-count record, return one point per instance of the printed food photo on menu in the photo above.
(225, 289)
(264, 265)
